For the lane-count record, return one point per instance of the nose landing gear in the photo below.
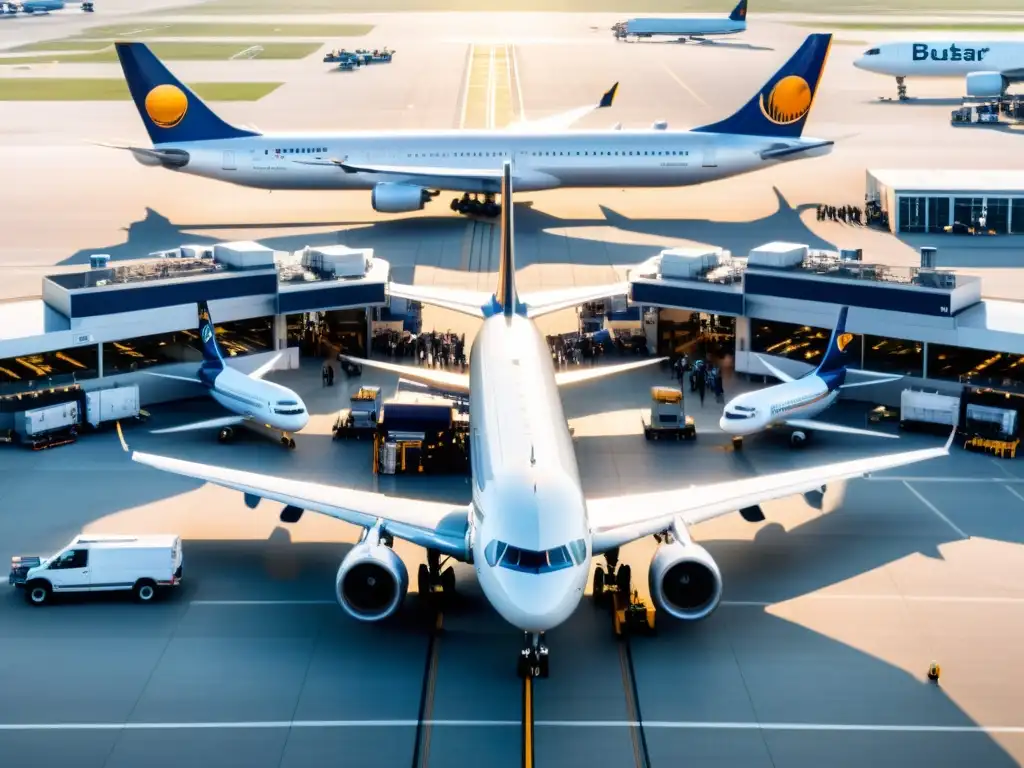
(472, 205)
(533, 659)
(288, 442)
(435, 584)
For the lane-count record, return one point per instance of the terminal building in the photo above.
(949, 201)
(101, 327)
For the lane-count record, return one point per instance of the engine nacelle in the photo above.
(392, 197)
(684, 580)
(986, 84)
(372, 582)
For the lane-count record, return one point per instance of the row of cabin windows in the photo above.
(297, 151)
(676, 153)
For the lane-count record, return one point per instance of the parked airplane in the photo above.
(796, 401)
(40, 6)
(989, 67)
(404, 169)
(261, 406)
(693, 28)
(529, 531)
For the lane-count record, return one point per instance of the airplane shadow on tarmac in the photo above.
(410, 241)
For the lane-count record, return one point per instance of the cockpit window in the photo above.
(578, 549)
(734, 415)
(287, 402)
(745, 408)
(527, 560)
(873, 52)
(289, 411)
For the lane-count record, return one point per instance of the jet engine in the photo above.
(684, 579)
(986, 84)
(392, 197)
(372, 581)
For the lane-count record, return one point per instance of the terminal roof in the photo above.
(951, 181)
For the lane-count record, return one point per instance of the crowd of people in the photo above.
(432, 350)
(704, 377)
(848, 214)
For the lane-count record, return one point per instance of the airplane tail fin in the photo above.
(212, 357)
(506, 298)
(169, 109)
(834, 360)
(781, 107)
(739, 13)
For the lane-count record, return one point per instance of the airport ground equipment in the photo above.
(667, 419)
(421, 438)
(928, 411)
(360, 418)
(88, 6)
(103, 406)
(49, 426)
(933, 672)
(613, 589)
(102, 563)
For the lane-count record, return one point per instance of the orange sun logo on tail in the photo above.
(788, 101)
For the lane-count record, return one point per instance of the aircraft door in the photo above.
(710, 159)
(229, 161)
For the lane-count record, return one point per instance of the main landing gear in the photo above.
(288, 442)
(901, 88)
(533, 659)
(435, 584)
(472, 205)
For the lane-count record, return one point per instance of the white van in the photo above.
(97, 563)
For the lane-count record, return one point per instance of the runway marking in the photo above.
(263, 602)
(465, 88)
(683, 85)
(1002, 467)
(935, 509)
(1014, 491)
(519, 83)
(663, 724)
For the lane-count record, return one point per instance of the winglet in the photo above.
(609, 96)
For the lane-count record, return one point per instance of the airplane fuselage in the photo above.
(683, 27)
(527, 494)
(942, 58)
(802, 398)
(261, 402)
(607, 158)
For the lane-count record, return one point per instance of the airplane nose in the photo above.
(538, 602)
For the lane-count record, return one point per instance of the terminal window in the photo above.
(938, 214)
(998, 218)
(912, 213)
(976, 366)
(797, 342)
(967, 210)
(887, 355)
(1017, 216)
(21, 374)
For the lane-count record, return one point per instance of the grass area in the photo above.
(65, 44)
(922, 27)
(114, 89)
(171, 52)
(144, 30)
(632, 8)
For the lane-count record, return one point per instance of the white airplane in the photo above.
(261, 406)
(405, 169)
(529, 531)
(693, 28)
(796, 401)
(989, 67)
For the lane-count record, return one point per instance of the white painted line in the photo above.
(1014, 491)
(684, 86)
(465, 87)
(1002, 467)
(519, 85)
(968, 599)
(492, 88)
(664, 724)
(935, 509)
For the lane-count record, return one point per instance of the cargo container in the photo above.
(106, 405)
(42, 421)
(929, 411)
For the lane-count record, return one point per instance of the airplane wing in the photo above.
(426, 523)
(618, 520)
(479, 179)
(872, 374)
(777, 373)
(222, 421)
(266, 368)
(452, 382)
(871, 383)
(190, 379)
(568, 378)
(822, 426)
(546, 302)
(565, 120)
(467, 302)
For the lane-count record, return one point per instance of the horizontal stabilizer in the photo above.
(546, 302)
(822, 426)
(871, 383)
(452, 382)
(580, 375)
(189, 379)
(776, 372)
(467, 302)
(219, 423)
(872, 374)
(169, 158)
(565, 120)
(267, 367)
